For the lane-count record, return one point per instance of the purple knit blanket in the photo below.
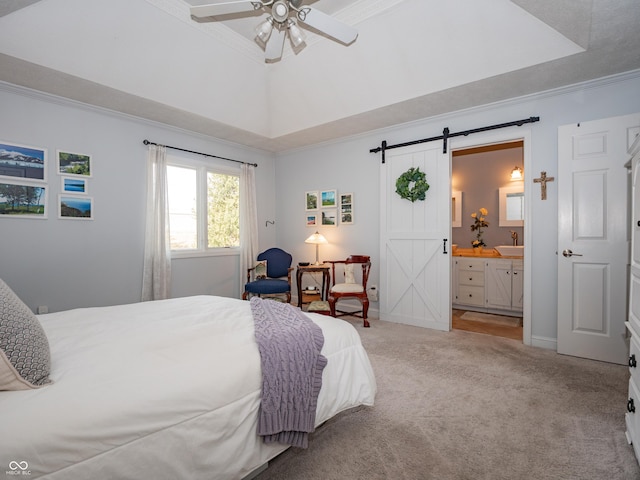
(290, 345)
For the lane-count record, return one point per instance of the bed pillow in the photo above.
(25, 359)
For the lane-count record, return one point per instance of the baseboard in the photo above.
(544, 342)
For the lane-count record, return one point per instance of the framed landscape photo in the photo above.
(74, 164)
(312, 220)
(311, 200)
(26, 163)
(74, 185)
(330, 217)
(19, 200)
(75, 207)
(328, 198)
(346, 208)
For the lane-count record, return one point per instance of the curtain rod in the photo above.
(147, 142)
(446, 135)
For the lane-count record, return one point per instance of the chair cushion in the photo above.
(267, 286)
(261, 269)
(347, 288)
(349, 276)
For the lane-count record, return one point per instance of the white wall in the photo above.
(70, 263)
(349, 167)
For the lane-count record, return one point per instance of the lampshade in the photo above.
(516, 173)
(295, 34)
(317, 239)
(263, 31)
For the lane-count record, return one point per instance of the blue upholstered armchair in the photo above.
(271, 282)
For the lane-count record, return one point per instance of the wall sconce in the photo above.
(317, 239)
(516, 173)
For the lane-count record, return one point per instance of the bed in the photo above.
(166, 389)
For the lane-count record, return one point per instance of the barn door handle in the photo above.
(632, 361)
(444, 246)
(630, 406)
(569, 253)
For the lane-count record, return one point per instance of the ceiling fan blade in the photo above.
(328, 25)
(273, 51)
(224, 8)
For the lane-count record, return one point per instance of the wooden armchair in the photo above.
(350, 287)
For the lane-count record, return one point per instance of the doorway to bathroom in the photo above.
(488, 212)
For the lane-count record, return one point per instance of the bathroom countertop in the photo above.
(486, 253)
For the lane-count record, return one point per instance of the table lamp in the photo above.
(317, 239)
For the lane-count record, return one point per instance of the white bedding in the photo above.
(164, 390)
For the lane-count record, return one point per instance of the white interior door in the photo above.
(415, 266)
(592, 238)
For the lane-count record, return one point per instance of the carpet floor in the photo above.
(459, 405)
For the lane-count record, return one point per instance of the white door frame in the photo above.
(506, 135)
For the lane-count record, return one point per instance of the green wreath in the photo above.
(419, 188)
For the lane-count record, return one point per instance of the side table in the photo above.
(324, 268)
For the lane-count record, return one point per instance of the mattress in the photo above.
(165, 389)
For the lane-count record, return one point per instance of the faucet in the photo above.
(514, 236)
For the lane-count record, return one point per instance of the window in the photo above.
(204, 207)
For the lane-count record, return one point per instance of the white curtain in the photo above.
(156, 276)
(248, 222)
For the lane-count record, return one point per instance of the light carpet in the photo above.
(490, 318)
(459, 405)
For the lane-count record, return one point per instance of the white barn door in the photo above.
(415, 240)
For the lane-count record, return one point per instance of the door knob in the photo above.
(569, 253)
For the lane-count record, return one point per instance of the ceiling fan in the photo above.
(271, 33)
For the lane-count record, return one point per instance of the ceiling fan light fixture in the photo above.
(296, 35)
(263, 31)
(280, 11)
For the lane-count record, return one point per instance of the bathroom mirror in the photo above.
(456, 208)
(511, 204)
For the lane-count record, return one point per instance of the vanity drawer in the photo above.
(470, 265)
(471, 277)
(470, 295)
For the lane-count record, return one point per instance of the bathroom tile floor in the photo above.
(507, 331)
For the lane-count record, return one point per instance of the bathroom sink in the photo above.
(510, 250)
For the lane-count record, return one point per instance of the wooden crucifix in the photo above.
(543, 184)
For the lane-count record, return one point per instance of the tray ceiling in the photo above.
(412, 59)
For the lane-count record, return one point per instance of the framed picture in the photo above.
(74, 164)
(27, 163)
(330, 217)
(311, 200)
(74, 185)
(346, 208)
(312, 220)
(328, 198)
(18, 200)
(75, 207)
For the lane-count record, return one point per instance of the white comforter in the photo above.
(162, 390)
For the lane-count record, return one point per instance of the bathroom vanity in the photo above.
(487, 282)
